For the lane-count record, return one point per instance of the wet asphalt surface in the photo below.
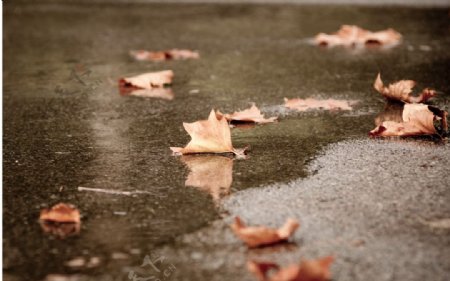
(66, 126)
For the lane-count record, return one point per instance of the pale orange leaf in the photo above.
(250, 115)
(61, 213)
(352, 35)
(310, 103)
(147, 80)
(418, 119)
(401, 91)
(208, 136)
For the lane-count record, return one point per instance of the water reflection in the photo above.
(210, 173)
(392, 112)
(161, 93)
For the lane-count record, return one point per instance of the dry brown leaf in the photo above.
(61, 213)
(306, 270)
(352, 35)
(418, 119)
(62, 220)
(250, 115)
(310, 103)
(211, 173)
(208, 136)
(160, 93)
(149, 80)
(401, 91)
(143, 55)
(255, 236)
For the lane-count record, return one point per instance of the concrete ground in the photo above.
(380, 207)
(70, 136)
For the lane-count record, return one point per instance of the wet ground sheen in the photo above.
(63, 131)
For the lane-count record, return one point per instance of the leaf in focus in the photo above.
(306, 270)
(354, 36)
(176, 54)
(209, 173)
(250, 115)
(401, 91)
(310, 103)
(208, 136)
(418, 119)
(255, 236)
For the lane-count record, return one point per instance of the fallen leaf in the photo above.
(61, 220)
(401, 91)
(352, 35)
(250, 115)
(161, 93)
(149, 80)
(208, 136)
(62, 213)
(255, 236)
(418, 119)
(143, 55)
(310, 103)
(210, 173)
(306, 270)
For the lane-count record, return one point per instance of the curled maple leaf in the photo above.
(310, 103)
(352, 35)
(255, 236)
(211, 173)
(418, 119)
(143, 55)
(306, 270)
(250, 115)
(401, 91)
(208, 136)
(146, 81)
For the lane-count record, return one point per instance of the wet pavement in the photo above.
(66, 126)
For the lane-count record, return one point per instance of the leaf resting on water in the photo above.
(354, 36)
(147, 80)
(250, 115)
(401, 91)
(418, 119)
(208, 136)
(310, 103)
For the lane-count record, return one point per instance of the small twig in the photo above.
(114, 192)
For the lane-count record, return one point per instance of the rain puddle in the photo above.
(70, 136)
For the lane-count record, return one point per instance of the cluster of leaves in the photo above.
(412, 117)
